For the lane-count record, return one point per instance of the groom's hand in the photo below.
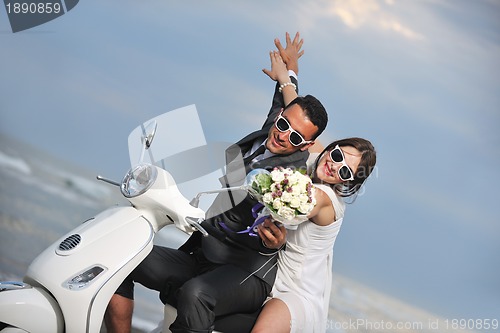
(272, 236)
(292, 52)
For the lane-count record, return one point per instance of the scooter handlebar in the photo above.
(196, 223)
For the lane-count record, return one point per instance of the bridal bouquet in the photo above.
(287, 194)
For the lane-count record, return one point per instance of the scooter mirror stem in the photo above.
(109, 181)
(196, 200)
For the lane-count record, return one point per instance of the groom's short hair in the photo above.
(314, 111)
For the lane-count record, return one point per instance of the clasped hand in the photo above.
(272, 236)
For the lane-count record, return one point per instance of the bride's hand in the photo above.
(278, 71)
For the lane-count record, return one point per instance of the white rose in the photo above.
(305, 208)
(298, 189)
(303, 197)
(303, 181)
(277, 176)
(286, 196)
(267, 198)
(295, 202)
(286, 212)
(293, 178)
(277, 204)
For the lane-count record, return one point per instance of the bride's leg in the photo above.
(274, 318)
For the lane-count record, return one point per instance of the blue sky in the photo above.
(418, 78)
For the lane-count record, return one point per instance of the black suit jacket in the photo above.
(234, 208)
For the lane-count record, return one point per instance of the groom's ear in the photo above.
(281, 111)
(306, 146)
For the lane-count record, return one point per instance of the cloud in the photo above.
(394, 25)
(417, 58)
(357, 14)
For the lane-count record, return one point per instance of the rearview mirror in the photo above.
(148, 134)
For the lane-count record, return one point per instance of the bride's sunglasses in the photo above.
(337, 156)
(294, 137)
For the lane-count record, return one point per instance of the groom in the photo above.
(229, 272)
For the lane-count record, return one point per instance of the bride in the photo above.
(301, 293)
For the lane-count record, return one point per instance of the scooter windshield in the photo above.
(179, 146)
(176, 131)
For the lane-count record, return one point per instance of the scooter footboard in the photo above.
(28, 308)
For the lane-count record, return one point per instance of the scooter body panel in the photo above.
(43, 312)
(84, 268)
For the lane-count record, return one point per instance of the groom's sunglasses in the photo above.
(294, 137)
(337, 156)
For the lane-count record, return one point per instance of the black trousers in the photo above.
(198, 288)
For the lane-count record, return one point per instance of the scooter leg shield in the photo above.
(30, 309)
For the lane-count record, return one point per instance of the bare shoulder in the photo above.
(324, 211)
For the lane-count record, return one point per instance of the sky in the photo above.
(420, 79)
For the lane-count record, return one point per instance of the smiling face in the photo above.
(278, 142)
(327, 170)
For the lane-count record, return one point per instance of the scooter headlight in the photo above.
(138, 180)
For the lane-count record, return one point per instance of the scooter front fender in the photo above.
(28, 308)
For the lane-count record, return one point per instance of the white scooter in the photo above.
(68, 286)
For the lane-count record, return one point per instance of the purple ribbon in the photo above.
(252, 230)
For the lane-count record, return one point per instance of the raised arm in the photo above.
(290, 55)
(292, 52)
(279, 73)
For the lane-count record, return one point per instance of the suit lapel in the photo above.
(236, 170)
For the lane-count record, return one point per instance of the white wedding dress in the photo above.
(304, 275)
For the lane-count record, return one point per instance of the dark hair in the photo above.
(314, 110)
(365, 168)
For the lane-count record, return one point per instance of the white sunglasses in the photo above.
(295, 138)
(337, 156)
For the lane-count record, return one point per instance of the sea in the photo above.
(43, 197)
